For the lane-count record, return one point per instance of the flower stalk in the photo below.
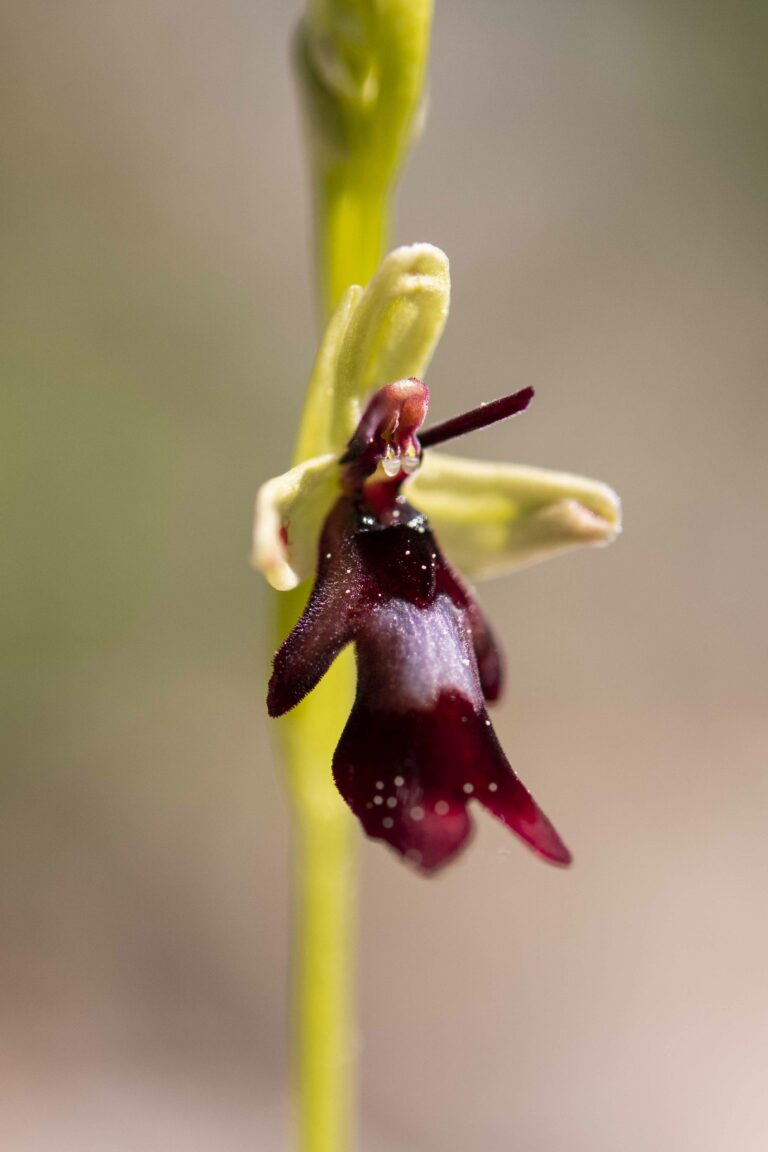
(361, 65)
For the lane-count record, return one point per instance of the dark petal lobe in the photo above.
(328, 622)
(408, 777)
(389, 767)
(506, 797)
(490, 662)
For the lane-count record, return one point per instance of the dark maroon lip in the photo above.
(418, 747)
(418, 751)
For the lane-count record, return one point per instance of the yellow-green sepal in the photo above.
(491, 519)
(384, 332)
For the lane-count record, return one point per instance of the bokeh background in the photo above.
(597, 173)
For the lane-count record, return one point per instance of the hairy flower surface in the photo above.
(418, 746)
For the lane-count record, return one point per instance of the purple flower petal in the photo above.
(409, 777)
(328, 622)
(418, 745)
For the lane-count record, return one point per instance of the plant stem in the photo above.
(325, 880)
(352, 225)
(324, 910)
(352, 230)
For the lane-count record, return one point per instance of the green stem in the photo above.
(325, 880)
(324, 909)
(361, 66)
(353, 228)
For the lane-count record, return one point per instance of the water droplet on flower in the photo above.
(391, 465)
(468, 788)
(391, 802)
(410, 464)
(379, 784)
(399, 781)
(388, 822)
(493, 787)
(417, 813)
(378, 800)
(442, 807)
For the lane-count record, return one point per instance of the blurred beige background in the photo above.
(597, 173)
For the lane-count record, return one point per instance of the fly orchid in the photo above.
(418, 745)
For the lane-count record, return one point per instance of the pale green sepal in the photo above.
(317, 434)
(290, 512)
(392, 332)
(376, 335)
(493, 518)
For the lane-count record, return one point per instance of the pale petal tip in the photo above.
(593, 519)
(419, 268)
(269, 552)
(419, 258)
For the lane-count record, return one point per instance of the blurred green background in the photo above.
(597, 173)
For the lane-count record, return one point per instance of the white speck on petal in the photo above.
(417, 813)
(378, 800)
(388, 822)
(391, 802)
(442, 807)
(399, 781)
(493, 787)
(468, 788)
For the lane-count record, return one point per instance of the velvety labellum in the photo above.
(418, 746)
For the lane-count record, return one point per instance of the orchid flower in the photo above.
(392, 530)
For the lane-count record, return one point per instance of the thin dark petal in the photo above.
(481, 417)
(327, 624)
